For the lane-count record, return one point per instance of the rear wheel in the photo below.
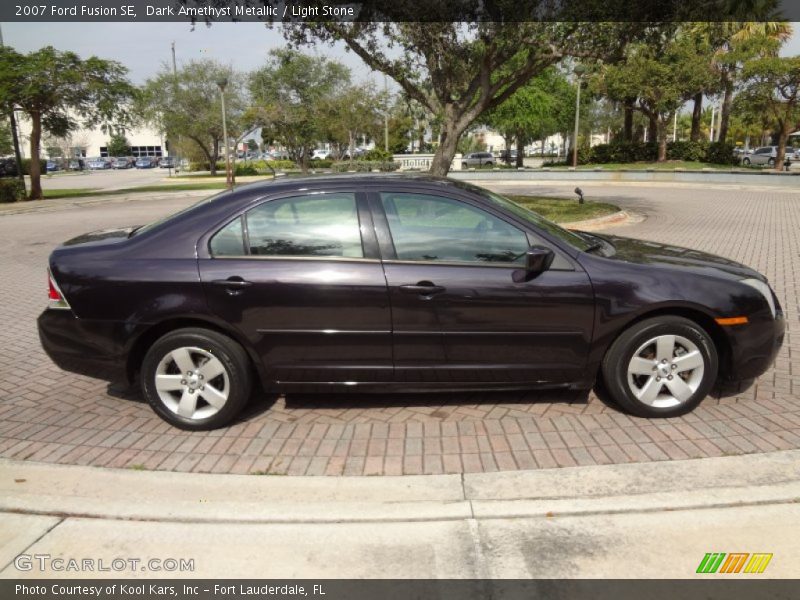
(196, 378)
(771, 162)
(746, 162)
(661, 367)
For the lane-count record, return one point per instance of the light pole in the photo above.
(579, 71)
(222, 83)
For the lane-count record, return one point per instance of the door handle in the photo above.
(235, 285)
(423, 288)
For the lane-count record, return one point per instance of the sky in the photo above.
(144, 47)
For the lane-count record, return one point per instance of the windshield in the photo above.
(176, 215)
(573, 239)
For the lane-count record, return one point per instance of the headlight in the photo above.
(765, 290)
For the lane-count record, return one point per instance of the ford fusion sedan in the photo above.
(393, 283)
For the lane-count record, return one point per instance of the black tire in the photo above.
(771, 162)
(746, 162)
(634, 340)
(236, 381)
(464, 166)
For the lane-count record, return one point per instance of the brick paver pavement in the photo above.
(52, 416)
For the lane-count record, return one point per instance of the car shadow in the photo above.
(309, 401)
(727, 389)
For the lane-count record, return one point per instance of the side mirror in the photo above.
(537, 260)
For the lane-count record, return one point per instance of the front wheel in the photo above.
(771, 162)
(661, 367)
(196, 379)
(746, 162)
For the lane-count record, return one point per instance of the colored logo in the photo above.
(735, 562)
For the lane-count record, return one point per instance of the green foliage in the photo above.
(118, 145)
(11, 190)
(459, 70)
(687, 150)
(365, 166)
(377, 154)
(320, 163)
(189, 106)
(292, 94)
(245, 169)
(60, 92)
(471, 143)
(721, 153)
(631, 152)
(26, 166)
(6, 143)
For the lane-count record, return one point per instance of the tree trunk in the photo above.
(627, 131)
(520, 151)
(725, 113)
(652, 130)
(12, 120)
(507, 140)
(661, 134)
(212, 157)
(697, 114)
(35, 167)
(783, 137)
(420, 139)
(440, 165)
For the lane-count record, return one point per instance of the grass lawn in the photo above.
(167, 187)
(561, 210)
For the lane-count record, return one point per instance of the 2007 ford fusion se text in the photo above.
(397, 283)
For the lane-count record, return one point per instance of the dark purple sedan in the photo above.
(397, 283)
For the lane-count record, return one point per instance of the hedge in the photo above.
(628, 152)
(365, 166)
(9, 167)
(11, 190)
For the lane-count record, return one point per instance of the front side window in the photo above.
(313, 225)
(436, 229)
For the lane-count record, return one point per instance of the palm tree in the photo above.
(734, 43)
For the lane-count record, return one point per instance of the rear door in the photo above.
(299, 277)
(458, 315)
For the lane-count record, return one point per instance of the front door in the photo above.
(458, 316)
(295, 277)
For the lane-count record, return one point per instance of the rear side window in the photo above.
(313, 225)
(229, 241)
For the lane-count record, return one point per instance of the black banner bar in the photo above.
(468, 11)
(715, 587)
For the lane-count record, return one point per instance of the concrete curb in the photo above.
(99, 493)
(618, 218)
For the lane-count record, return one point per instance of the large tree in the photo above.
(460, 70)
(59, 92)
(538, 109)
(732, 45)
(352, 113)
(189, 105)
(662, 74)
(773, 89)
(291, 95)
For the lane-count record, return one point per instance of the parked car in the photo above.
(123, 162)
(52, 166)
(8, 167)
(509, 156)
(167, 162)
(449, 287)
(320, 154)
(766, 155)
(96, 164)
(76, 164)
(146, 162)
(477, 159)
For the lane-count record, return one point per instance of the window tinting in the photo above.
(432, 228)
(315, 225)
(229, 241)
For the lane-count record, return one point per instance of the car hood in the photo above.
(653, 253)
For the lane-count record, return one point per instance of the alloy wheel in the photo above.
(665, 371)
(192, 382)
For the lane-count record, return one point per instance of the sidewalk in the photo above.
(652, 520)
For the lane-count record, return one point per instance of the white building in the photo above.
(89, 143)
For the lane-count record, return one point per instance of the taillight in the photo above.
(54, 296)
